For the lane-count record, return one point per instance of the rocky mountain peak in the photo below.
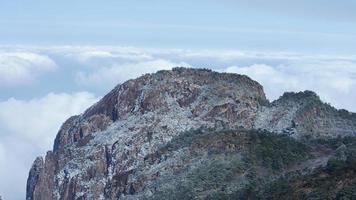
(194, 91)
(113, 150)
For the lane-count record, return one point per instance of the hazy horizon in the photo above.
(58, 58)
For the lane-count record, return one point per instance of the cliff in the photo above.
(162, 134)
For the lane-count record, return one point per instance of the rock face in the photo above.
(121, 147)
(303, 114)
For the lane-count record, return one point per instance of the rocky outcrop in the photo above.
(304, 115)
(107, 152)
(33, 177)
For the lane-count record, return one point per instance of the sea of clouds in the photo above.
(40, 87)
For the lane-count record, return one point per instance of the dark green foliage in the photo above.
(268, 149)
(346, 114)
(277, 189)
(337, 180)
(336, 166)
(236, 159)
(179, 192)
(185, 139)
(347, 193)
(215, 173)
(332, 142)
(275, 151)
(219, 196)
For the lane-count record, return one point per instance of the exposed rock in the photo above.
(304, 115)
(33, 177)
(114, 149)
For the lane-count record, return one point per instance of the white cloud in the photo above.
(20, 67)
(28, 129)
(334, 81)
(112, 75)
(99, 68)
(37, 120)
(28, 126)
(274, 81)
(86, 54)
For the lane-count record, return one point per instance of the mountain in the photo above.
(199, 134)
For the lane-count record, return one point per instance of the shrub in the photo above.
(347, 193)
(336, 166)
(276, 151)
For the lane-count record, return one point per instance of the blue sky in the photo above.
(59, 57)
(299, 26)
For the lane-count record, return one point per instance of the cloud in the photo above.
(28, 128)
(99, 68)
(273, 80)
(334, 81)
(114, 74)
(29, 120)
(87, 54)
(22, 67)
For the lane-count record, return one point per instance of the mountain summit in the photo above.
(193, 134)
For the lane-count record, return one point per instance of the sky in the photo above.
(59, 57)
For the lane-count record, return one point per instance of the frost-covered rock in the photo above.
(104, 153)
(304, 115)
